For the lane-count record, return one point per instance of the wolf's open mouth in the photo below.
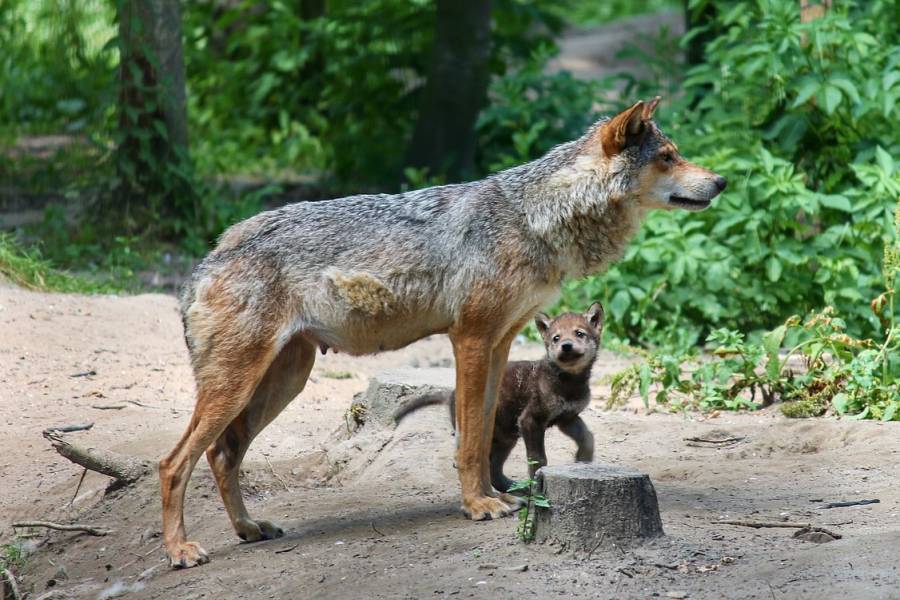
(689, 202)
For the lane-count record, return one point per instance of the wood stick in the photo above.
(12, 584)
(761, 524)
(731, 440)
(60, 527)
(69, 428)
(124, 469)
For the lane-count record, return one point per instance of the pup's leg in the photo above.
(578, 431)
(473, 358)
(501, 446)
(225, 383)
(282, 382)
(533, 435)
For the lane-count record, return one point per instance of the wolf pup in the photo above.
(376, 272)
(535, 395)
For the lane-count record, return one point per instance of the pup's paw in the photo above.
(485, 508)
(254, 531)
(515, 502)
(186, 555)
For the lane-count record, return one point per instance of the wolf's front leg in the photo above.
(533, 430)
(473, 366)
(578, 431)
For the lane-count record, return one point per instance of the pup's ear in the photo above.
(624, 129)
(542, 322)
(594, 316)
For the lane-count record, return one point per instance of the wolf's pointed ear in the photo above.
(594, 316)
(542, 322)
(624, 129)
(650, 108)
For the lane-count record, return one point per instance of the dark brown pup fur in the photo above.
(536, 395)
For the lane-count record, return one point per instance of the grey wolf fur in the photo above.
(536, 395)
(376, 272)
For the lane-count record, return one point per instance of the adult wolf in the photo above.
(376, 272)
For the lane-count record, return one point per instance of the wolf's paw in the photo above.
(254, 531)
(485, 508)
(186, 555)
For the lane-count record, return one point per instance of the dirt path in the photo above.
(391, 529)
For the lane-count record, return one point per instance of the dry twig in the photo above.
(60, 527)
(13, 586)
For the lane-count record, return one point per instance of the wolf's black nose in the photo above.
(567, 347)
(721, 182)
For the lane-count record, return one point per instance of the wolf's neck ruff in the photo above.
(572, 199)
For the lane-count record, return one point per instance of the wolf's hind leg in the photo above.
(224, 387)
(283, 380)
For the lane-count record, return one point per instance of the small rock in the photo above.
(518, 568)
(816, 537)
(676, 594)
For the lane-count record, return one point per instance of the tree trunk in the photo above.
(152, 104)
(455, 91)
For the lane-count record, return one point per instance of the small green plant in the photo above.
(337, 374)
(533, 499)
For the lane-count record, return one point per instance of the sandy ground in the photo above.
(389, 527)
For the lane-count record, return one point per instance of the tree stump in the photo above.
(592, 505)
(389, 390)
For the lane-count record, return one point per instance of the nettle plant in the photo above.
(825, 368)
(798, 117)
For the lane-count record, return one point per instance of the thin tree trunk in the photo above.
(444, 137)
(152, 102)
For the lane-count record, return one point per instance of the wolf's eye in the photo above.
(667, 157)
(579, 333)
(555, 338)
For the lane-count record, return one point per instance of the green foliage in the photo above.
(53, 71)
(531, 111)
(800, 129)
(534, 499)
(827, 369)
(29, 269)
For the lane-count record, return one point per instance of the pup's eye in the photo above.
(579, 333)
(555, 338)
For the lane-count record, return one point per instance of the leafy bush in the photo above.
(54, 72)
(839, 372)
(800, 129)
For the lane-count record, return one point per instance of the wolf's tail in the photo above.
(421, 402)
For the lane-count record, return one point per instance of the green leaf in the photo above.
(645, 384)
(773, 268)
(841, 403)
(884, 161)
(806, 91)
(832, 98)
(847, 86)
(890, 412)
(836, 201)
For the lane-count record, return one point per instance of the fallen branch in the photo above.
(761, 524)
(850, 503)
(124, 469)
(13, 586)
(60, 527)
(68, 428)
(731, 440)
(277, 476)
